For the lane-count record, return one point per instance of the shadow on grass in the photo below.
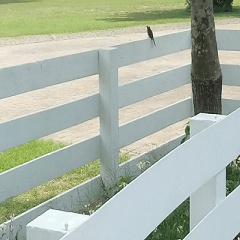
(163, 15)
(148, 15)
(235, 13)
(17, 1)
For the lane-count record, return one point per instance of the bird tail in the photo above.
(154, 42)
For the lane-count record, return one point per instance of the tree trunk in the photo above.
(206, 72)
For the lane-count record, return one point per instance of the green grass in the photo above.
(48, 190)
(60, 16)
(24, 153)
(15, 157)
(175, 226)
(36, 17)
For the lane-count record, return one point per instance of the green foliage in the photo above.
(24, 153)
(175, 226)
(222, 5)
(187, 133)
(27, 152)
(218, 5)
(233, 175)
(48, 190)
(188, 3)
(115, 188)
(108, 193)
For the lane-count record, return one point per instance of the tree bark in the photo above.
(206, 72)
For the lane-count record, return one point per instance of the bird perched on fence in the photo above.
(150, 34)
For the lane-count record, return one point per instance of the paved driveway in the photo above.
(32, 49)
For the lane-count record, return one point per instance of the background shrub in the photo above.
(218, 5)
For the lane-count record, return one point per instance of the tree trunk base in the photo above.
(207, 95)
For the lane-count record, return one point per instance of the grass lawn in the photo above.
(35, 17)
(24, 153)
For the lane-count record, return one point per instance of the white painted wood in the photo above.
(153, 122)
(40, 124)
(231, 74)
(143, 50)
(202, 121)
(228, 40)
(160, 189)
(75, 198)
(213, 192)
(108, 113)
(32, 76)
(229, 105)
(198, 171)
(147, 87)
(130, 168)
(71, 200)
(54, 224)
(222, 223)
(43, 169)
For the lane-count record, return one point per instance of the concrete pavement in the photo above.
(27, 103)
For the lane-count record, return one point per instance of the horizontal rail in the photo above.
(70, 200)
(228, 40)
(153, 122)
(216, 227)
(164, 186)
(230, 105)
(143, 50)
(76, 198)
(147, 87)
(28, 77)
(231, 74)
(43, 169)
(40, 124)
(32, 76)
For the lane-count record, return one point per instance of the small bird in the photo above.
(150, 34)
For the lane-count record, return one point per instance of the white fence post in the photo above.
(53, 225)
(214, 191)
(109, 121)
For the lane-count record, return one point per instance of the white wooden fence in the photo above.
(142, 205)
(105, 104)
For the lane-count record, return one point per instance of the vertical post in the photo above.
(109, 121)
(213, 192)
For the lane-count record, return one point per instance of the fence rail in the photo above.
(165, 185)
(153, 85)
(33, 76)
(105, 104)
(24, 177)
(155, 122)
(228, 225)
(40, 124)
